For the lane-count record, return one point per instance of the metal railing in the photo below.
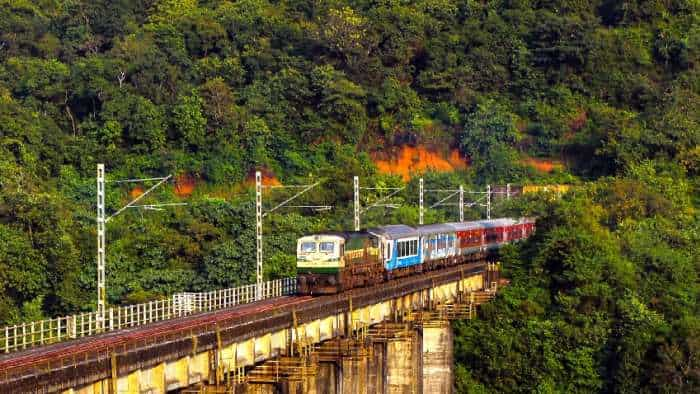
(26, 335)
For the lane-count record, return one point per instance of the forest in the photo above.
(603, 95)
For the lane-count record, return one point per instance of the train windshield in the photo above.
(308, 247)
(326, 247)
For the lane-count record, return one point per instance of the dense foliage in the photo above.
(604, 299)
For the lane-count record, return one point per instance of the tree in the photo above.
(339, 100)
(141, 122)
(22, 275)
(189, 121)
(488, 139)
(398, 105)
(43, 79)
(344, 32)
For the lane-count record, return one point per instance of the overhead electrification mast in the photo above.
(102, 230)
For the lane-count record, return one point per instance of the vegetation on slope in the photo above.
(210, 90)
(604, 298)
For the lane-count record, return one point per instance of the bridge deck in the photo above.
(114, 339)
(89, 359)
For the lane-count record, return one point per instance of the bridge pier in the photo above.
(376, 368)
(354, 375)
(308, 385)
(344, 366)
(437, 357)
(403, 365)
(328, 378)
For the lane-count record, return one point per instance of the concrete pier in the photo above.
(328, 380)
(403, 366)
(438, 367)
(354, 375)
(376, 369)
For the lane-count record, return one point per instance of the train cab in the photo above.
(320, 253)
(333, 262)
(320, 264)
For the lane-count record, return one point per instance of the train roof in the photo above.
(398, 231)
(395, 231)
(437, 228)
(498, 222)
(343, 234)
(465, 226)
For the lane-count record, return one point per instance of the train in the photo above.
(333, 262)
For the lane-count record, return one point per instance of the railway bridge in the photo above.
(390, 338)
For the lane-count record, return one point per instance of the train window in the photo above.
(326, 247)
(308, 247)
(407, 248)
(491, 236)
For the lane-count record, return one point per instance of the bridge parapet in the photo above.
(45, 332)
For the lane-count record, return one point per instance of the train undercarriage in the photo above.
(370, 273)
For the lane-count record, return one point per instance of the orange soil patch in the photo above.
(268, 178)
(543, 165)
(184, 185)
(135, 192)
(410, 160)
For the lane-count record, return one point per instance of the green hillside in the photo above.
(601, 94)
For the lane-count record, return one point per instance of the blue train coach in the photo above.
(399, 246)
